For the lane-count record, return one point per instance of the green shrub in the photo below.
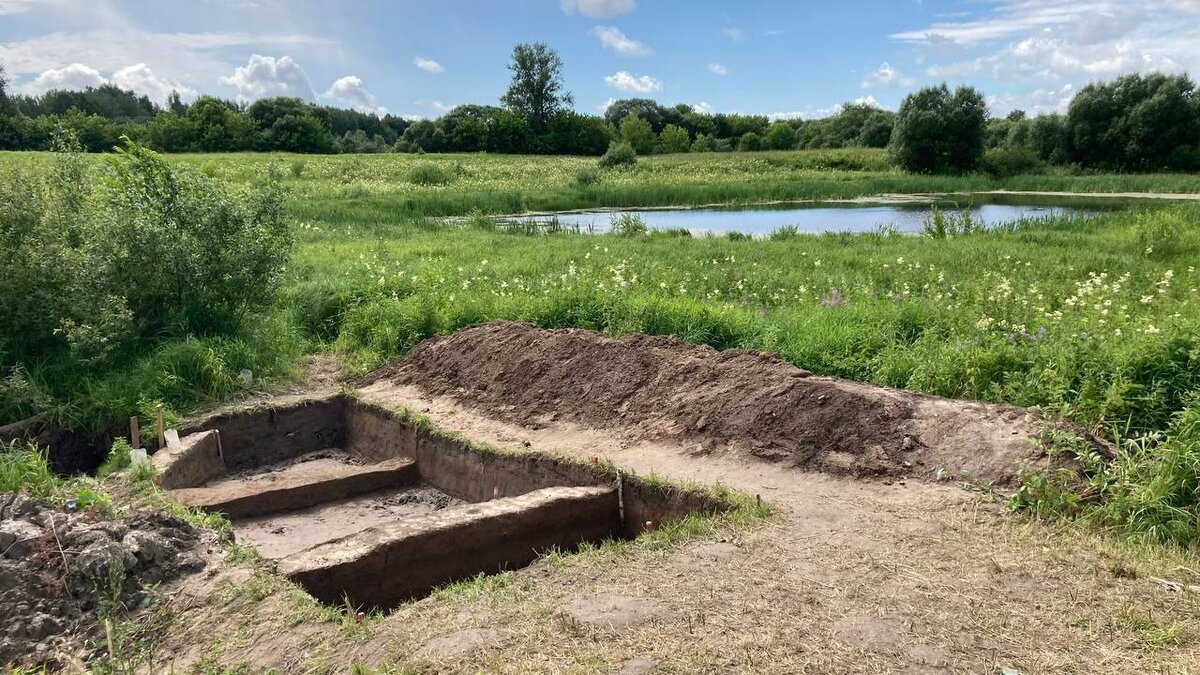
(296, 168)
(143, 251)
(1159, 232)
(627, 225)
(1007, 162)
(428, 173)
(587, 177)
(618, 154)
(750, 142)
(118, 458)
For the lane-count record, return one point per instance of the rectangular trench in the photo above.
(502, 510)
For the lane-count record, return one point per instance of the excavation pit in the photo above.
(355, 501)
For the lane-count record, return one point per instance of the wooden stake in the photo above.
(220, 450)
(158, 421)
(135, 432)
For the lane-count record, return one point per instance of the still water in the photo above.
(809, 218)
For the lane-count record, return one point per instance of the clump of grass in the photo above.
(1150, 490)
(785, 232)
(428, 173)
(118, 459)
(939, 225)
(296, 168)
(26, 468)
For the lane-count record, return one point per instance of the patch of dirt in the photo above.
(460, 643)
(60, 569)
(613, 611)
(737, 402)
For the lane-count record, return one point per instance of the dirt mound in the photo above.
(61, 569)
(735, 401)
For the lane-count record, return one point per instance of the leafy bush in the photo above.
(1159, 232)
(627, 225)
(587, 177)
(619, 154)
(785, 232)
(141, 252)
(750, 142)
(638, 133)
(428, 173)
(1008, 162)
(675, 139)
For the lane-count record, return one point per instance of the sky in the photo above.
(419, 58)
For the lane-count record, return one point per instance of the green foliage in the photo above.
(587, 177)
(118, 458)
(428, 173)
(939, 225)
(675, 139)
(1138, 123)
(1151, 489)
(940, 132)
(618, 154)
(100, 266)
(537, 91)
(750, 142)
(1160, 232)
(628, 225)
(637, 133)
(1006, 162)
(855, 125)
(781, 136)
(25, 468)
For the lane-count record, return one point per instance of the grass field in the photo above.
(1090, 317)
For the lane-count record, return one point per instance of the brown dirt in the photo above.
(734, 402)
(60, 569)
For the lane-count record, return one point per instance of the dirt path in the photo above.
(853, 577)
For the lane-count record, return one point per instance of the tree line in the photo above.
(1134, 123)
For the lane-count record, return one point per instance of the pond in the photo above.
(813, 217)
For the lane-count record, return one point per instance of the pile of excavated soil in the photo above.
(60, 569)
(739, 402)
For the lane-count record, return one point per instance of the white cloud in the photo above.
(351, 91)
(818, 113)
(735, 34)
(640, 85)
(612, 38)
(266, 76)
(428, 65)
(885, 76)
(717, 69)
(16, 6)
(141, 79)
(435, 105)
(703, 108)
(598, 9)
(73, 77)
(1036, 102)
(194, 57)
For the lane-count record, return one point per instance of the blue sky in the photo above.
(421, 57)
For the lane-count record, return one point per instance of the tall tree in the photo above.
(940, 132)
(537, 91)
